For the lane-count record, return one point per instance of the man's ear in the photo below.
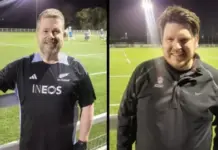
(196, 41)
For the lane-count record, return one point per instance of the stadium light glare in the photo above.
(6, 2)
(147, 5)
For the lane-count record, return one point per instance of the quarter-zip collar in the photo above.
(177, 74)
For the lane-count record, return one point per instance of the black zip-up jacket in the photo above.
(164, 109)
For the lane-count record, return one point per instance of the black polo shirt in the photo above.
(48, 94)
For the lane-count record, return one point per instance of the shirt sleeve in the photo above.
(127, 114)
(126, 128)
(215, 140)
(214, 110)
(8, 76)
(86, 92)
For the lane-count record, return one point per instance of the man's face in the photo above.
(50, 35)
(179, 46)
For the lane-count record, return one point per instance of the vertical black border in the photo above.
(108, 77)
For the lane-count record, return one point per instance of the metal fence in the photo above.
(143, 45)
(34, 30)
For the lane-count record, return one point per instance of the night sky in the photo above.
(124, 15)
(22, 13)
(128, 16)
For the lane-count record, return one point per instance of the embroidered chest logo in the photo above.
(62, 78)
(159, 83)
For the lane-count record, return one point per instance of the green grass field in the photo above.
(92, 55)
(121, 68)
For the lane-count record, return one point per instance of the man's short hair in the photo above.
(51, 13)
(177, 14)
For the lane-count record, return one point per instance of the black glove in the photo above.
(80, 145)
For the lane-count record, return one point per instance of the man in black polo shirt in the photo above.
(170, 101)
(49, 84)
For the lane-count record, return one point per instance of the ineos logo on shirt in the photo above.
(45, 89)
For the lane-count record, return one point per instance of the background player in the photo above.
(70, 33)
(87, 35)
(66, 34)
(102, 36)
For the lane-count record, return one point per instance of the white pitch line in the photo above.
(116, 50)
(97, 73)
(127, 59)
(112, 105)
(212, 57)
(84, 55)
(15, 45)
(119, 76)
(102, 148)
(27, 45)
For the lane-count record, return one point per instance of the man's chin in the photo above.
(180, 65)
(178, 58)
(50, 51)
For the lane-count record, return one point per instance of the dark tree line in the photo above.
(88, 18)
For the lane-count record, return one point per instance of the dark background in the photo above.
(22, 13)
(128, 16)
(124, 15)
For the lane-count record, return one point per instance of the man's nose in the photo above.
(51, 34)
(176, 45)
